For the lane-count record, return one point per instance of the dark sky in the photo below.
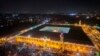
(48, 6)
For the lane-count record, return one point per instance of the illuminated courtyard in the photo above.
(58, 39)
(53, 40)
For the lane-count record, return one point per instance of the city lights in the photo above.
(49, 28)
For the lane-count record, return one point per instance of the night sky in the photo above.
(48, 6)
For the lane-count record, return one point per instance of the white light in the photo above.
(29, 36)
(87, 17)
(72, 14)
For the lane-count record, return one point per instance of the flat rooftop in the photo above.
(72, 34)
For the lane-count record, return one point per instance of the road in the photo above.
(93, 34)
(26, 30)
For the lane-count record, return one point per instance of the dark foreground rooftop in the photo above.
(75, 34)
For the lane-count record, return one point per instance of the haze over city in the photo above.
(48, 6)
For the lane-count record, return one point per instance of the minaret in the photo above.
(80, 22)
(61, 37)
(62, 41)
